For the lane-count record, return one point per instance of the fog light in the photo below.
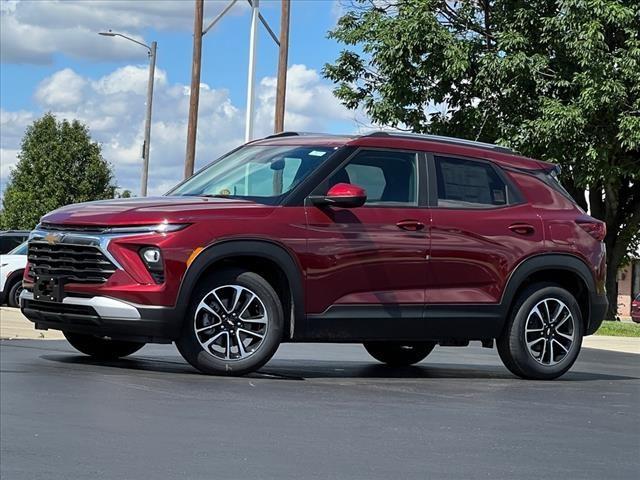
(152, 258)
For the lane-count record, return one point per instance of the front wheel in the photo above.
(543, 336)
(234, 324)
(13, 298)
(102, 348)
(399, 354)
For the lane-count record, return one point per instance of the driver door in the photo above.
(369, 262)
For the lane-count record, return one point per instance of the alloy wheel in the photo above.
(231, 322)
(549, 331)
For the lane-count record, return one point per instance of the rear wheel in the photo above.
(399, 354)
(543, 336)
(102, 348)
(234, 324)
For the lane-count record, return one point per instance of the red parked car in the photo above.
(398, 241)
(635, 309)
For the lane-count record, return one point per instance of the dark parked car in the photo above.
(10, 239)
(400, 242)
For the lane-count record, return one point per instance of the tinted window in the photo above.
(388, 177)
(468, 184)
(9, 242)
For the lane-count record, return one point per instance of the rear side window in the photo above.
(469, 184)
(9, 242)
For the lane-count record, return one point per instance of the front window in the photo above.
(389, 177)
(262, 173)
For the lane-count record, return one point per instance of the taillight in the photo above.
(595, 228)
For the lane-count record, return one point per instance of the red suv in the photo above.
(397, 241)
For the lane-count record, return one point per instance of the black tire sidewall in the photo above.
(12, 299)
(512, 345)
(102, 348)
(393, 354)
(189, 346)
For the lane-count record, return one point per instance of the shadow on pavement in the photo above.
(307, 369)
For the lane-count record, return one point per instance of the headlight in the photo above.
(159, 228)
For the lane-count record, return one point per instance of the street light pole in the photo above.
(147, 125)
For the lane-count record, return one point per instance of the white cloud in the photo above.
(310, 104)
(113, 107)
(32, 31)
(62, 89)
(131, 78)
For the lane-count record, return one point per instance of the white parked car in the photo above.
(12, 267)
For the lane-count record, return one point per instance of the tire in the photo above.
(239, 321)
(399, 354)
(554, 328)
(101, 348)
(13, 297)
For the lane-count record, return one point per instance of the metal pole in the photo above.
(147, 123)
(194, 96)
(253, 41)
(283, 57)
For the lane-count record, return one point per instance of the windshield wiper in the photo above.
(208, 195)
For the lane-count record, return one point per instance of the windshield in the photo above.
(19, 250)
(257, 172)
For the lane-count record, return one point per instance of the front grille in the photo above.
(76, 262)
(72, 228)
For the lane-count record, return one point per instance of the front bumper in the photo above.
(103, 317)
(598, 306)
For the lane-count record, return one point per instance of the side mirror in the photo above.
(343, 195)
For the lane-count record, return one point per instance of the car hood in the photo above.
(13, 260)
(142, 211)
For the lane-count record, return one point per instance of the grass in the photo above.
(619, 329)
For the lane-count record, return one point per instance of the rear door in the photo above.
(481, 229)
(370, 262)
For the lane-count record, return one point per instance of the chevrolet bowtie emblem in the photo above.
(53, 238)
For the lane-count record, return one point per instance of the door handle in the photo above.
(522, 228)
(410, 225)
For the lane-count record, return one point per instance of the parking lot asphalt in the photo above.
(314, 412)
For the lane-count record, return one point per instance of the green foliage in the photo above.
(124, 194)
(558, 80)
(619, 329)
(58, 164)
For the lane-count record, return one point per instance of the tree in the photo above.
(58, 164)
(557, 80)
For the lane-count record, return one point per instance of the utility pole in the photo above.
(194, 95)
(283, 58)
(253, 44)
(147, 123)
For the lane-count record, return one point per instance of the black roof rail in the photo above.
(283, 134)
(307, 134)
(442, 139)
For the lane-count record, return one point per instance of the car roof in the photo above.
(410, 141)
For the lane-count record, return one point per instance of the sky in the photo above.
(52, 59)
